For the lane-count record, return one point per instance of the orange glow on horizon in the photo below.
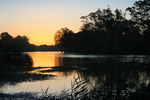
(38, 34)
(40, 19)
(40, 39)
(39, 27)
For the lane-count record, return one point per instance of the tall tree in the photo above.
(63, 38)
(110, 26)
(140, 10)
(5, 36)
(6, 41)
(108, 32)
(21, 43)
(140, 13)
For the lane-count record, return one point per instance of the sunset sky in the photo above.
(40, 19)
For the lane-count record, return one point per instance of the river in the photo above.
(100, 71)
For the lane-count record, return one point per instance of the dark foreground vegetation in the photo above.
(14, 59)
(107, 32)
(83, 90)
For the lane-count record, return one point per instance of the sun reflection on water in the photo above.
(46, 59)
(58, 71)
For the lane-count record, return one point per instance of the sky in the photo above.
(39, 20)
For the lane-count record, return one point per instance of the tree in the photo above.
(140, 10)
(108, 32)
(96, 21)
(6, 41)
(11, 44)
(21, 43)
(5, 36)
(63, 38)
(109, 27)
(140, 13)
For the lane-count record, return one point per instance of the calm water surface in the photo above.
(99, 70)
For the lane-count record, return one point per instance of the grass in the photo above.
(83, 90)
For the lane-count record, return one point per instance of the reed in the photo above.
(83, 90)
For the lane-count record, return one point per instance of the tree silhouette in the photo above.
(11, 44)
(107, 32)
(63, 38)
(21, 43)
(140, 14)
(6, 41)
(5, 36)
(140, 10)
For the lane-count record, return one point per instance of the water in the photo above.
(101, 71)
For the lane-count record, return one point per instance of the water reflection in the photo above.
(108, 70)
(117, 77)
(107, 73)
(45, 59)
(86, 60)
(14, 67)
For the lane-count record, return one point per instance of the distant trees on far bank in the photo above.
(107, 32)
(10, 44)
(19, 43)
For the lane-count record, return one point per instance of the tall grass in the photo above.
(83, 90)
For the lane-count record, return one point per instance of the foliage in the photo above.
(140, 13)
(63, 38)
(107, 32)
(11, 44)
(15, 59)
(140, 10)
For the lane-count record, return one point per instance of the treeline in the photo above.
(107, 32)
(46, 48)
(19, 43)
